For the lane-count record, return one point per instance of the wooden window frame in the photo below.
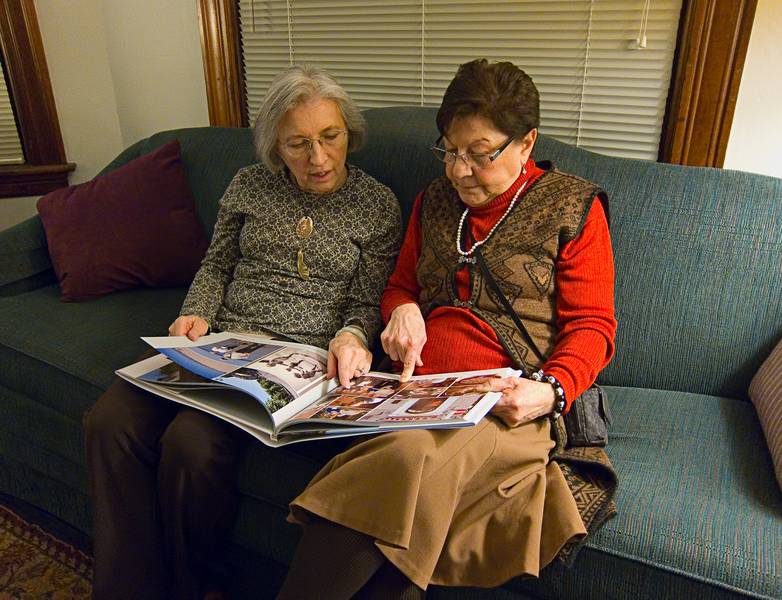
(711, 48)
(222, 54)
(45, 167)
(713, 41)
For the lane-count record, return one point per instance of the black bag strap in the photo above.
(503, 300)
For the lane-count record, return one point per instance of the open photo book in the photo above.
(278, 391)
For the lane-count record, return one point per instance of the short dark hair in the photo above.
(500, 92)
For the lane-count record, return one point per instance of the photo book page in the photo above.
(278, 390)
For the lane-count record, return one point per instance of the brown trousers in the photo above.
(163, 487)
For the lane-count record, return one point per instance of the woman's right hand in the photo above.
(192, 326)
(404, 338)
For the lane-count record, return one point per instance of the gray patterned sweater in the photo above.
(248, 279)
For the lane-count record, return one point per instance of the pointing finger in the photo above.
(331, 365)
(345, 369)
(409, 365)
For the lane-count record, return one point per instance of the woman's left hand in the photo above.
(348, 357)
(522, 400)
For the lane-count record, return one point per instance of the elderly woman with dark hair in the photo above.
(302, 248)
(477, 506)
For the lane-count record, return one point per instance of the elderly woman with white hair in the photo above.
(303, 246)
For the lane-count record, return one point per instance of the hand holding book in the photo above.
(191, 326)
(522, 400)
(348, 358)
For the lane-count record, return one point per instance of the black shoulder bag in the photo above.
(587, 420)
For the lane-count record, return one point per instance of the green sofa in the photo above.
(699, 303)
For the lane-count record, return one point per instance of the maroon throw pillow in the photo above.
(135, 226)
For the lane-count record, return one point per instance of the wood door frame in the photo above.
(711, 48)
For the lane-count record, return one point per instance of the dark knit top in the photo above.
(249, 281)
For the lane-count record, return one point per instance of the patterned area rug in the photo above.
(34, 564)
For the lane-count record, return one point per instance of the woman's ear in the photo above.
(527, 143)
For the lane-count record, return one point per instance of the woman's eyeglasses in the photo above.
(299, 147)
(480, 161)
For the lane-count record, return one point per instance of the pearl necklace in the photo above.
(465, 254)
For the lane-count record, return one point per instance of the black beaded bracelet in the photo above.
(559, 392)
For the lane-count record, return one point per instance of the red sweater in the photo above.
(584, 277)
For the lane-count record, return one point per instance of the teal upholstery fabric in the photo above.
(55, 360)
(698, 506)
(67, 354)
(693, 469)
(43, 438)
(20, 480)
(698, 254)
(24, 259)
(397, 153)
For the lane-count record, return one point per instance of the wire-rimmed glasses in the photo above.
(471, 159)
(300, 147)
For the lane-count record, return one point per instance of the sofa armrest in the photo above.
(24, 258)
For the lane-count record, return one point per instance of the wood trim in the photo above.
(713, 40)
(45, 168)
(219, 22)
(33, 180)
(31, 89)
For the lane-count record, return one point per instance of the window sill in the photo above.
(33, 180)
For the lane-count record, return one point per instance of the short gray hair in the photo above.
(291, 87)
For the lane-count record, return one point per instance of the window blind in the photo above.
(599, 90)
(10, 146)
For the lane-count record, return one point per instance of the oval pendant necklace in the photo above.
(304, 229)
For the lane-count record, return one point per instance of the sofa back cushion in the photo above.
(697, 251)
(697, 254)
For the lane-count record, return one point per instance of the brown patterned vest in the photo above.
(521, 254)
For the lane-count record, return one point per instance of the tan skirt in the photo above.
(460, 507)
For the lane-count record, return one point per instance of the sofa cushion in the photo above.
(697, 270)
(698, 506)
(765, 391)
(47, 441)
(134, 226)
(707, 521)
(66, 355)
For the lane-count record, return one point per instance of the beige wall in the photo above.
(755, 142)
(74, 39)
(120, 71)
(154, 50)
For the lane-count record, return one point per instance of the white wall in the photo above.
(120, 71)
(154, 50)
(74, 39)
(755, 142)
